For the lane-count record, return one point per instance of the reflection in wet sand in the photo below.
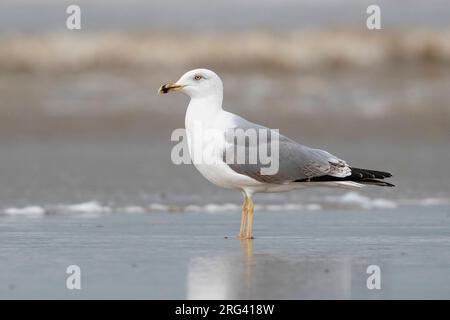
(267, 276)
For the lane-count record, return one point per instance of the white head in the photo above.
(197, 83)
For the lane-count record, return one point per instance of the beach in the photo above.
(160, 234)
(87, 178)
(295, 255)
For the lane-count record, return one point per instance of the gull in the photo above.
(299, 166)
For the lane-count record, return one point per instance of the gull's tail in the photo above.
(362, 176)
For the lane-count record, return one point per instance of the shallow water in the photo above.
(141, 227)
(296, 255)
(85, 169)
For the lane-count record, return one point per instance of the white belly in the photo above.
(207, 156)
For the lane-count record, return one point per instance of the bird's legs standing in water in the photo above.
(249, 218)
(246, 220)
(241, 234)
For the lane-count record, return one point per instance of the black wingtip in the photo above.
(371, 174)
(363, 176)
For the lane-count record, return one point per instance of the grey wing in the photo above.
(293, 161)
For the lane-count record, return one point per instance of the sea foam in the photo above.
(348, 201)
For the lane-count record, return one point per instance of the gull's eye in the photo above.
(198, 77)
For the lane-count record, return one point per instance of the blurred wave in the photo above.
(377, 83)
(252, 50)
(349, 201)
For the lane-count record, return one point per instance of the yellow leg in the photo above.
(249, 218)
(241, 234)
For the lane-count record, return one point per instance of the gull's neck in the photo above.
(203, 109)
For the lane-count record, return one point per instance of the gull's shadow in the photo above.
(265, 276)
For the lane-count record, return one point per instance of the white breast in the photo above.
(206, 141)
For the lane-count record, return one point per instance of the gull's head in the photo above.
(196, 83)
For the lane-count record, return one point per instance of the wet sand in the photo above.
(296, 255)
